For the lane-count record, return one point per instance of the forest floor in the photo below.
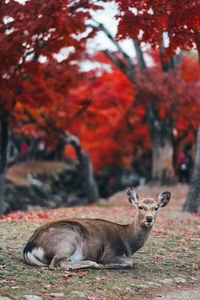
(167, 267)
(18, 172)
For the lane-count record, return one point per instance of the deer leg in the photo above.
(62, 263)
(55, 263)
(116, 262)
(75, 265)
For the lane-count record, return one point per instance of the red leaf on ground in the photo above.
(84, 273)
(197, 267)
(44, 292)
(99, 278)
(158, 257)
(196, 214)
(68, 275)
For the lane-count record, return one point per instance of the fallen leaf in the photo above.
(99, 278)
(84, 273)
(68, 275)
(197, 267)
(44, 292)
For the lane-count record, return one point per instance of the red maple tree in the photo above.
(155, 22)
(177, 19)
(37, 30)
(30, 32)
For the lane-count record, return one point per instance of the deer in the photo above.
(80, 243)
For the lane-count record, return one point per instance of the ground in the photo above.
(18, 172)
(169, 263)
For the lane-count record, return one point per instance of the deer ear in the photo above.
(163, 199)
(132, 196)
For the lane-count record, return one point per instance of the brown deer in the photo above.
(85, 243)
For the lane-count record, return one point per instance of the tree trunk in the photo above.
(86, 170)
(162, 170)
(84, 161)
(161, 133)
(2, 189)
(90, 185)
(3, 158)
(192, 204)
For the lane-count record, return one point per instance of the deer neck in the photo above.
(137, 236)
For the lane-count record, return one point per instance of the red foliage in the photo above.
(30, 31)
(110, 126)
(175, 94)
(104, 111)
(180, 20)
(190, 69)
(108, 114)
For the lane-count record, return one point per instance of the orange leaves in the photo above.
(112, 214)
(70, 152)
(28, 216)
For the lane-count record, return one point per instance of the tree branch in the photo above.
(127, 68)
(140, 56)
(18, 67)
(120, 65)
(84, 161)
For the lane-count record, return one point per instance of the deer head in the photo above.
(147, 208)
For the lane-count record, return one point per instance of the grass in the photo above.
(171, 251)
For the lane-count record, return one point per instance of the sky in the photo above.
(107, 18)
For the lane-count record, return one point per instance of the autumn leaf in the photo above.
(197, 266)
(100, 278)
(68, 275)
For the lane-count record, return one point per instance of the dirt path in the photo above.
(182, 295)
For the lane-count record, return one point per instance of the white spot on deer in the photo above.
(76, 256)
(35, 256)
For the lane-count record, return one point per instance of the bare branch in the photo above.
(120, 65)
(127, 66)
(18, 67)
(140, 56)
(102, 28)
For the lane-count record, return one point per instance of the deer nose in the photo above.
(149, 219)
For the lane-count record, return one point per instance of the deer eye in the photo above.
(156, 208)
(140, 207)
